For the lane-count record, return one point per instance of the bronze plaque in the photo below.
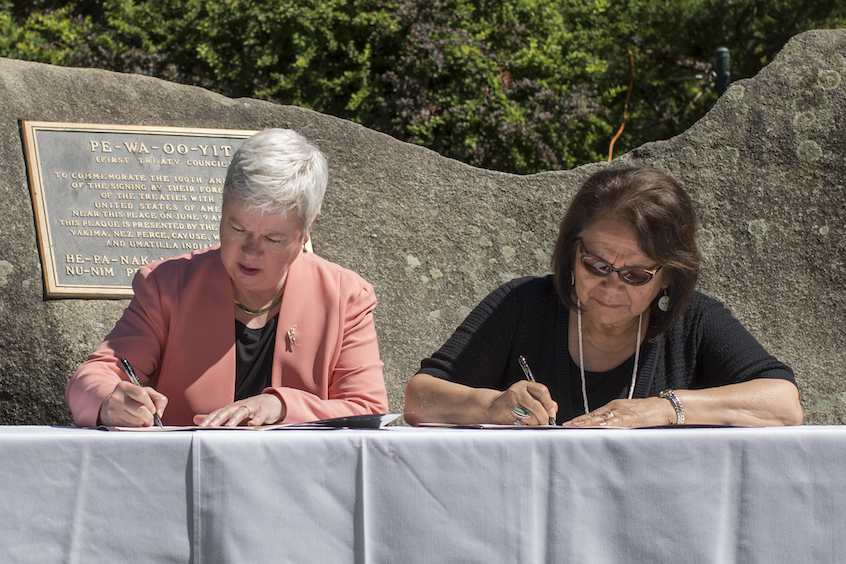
(109, 199)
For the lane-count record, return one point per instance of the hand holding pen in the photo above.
(131, 373)
(130, 404)
(531, 378)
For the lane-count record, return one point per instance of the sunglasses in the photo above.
(630, 276)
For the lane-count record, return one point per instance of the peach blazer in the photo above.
(179, 334)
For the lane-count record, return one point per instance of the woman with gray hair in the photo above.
(251, 331)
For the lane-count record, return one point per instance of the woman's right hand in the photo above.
(432, 400)
(131, 406)
(532, 396)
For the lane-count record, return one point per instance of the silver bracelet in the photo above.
(671, 395)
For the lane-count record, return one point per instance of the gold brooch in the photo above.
(291, 338)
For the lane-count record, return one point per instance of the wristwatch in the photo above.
(671, 395)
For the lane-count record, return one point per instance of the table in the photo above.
(424, 495)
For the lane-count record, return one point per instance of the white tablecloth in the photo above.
(424, 495)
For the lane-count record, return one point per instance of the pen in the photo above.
(531, 378)
(131, 373)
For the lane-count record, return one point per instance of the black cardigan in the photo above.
(706, 347)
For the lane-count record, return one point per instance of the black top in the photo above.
(706, 347)
(602, 387)
(253, 358)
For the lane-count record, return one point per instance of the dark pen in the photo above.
(131, 373)
(531, 378)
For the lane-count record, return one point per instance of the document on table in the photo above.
(492, 426)
(372, 421)
(545, 427)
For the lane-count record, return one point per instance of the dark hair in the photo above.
(662, 215)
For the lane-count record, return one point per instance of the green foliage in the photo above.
(514, 85)
(503, 84)
(674, 43)
(309, 53)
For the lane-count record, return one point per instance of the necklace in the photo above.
(582, 358)
(258, 311)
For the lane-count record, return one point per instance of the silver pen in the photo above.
(531, 378)
(134, 379)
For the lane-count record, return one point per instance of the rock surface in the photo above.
(766, 169)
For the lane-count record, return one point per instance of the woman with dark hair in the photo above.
(616, 336)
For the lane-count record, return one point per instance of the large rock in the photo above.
(765, 167)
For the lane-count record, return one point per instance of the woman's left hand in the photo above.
(755, 403)
(647, 412)
(263, 409)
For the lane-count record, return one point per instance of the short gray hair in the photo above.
(277, 170)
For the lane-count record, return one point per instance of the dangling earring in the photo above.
(572, 279)
(664, 301)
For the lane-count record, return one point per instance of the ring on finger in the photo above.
(521, 412)
(610, 415)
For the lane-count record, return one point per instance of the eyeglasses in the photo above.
(630, 276)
